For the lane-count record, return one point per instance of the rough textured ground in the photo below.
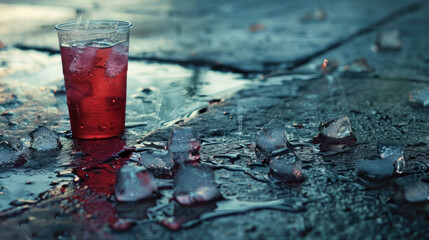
(333, 205)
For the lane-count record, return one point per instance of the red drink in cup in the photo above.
(95, 62)
(96, 85)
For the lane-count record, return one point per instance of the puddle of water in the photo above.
(185, 217)
(29, 187)
(163, 94)
(158, 94)
(43, 171)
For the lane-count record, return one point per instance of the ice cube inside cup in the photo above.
(95, 63)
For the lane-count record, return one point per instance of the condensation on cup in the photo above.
(95, 63)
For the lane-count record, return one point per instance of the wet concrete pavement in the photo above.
(243, 36)
(261, 41)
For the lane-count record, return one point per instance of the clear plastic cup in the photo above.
(95, 62)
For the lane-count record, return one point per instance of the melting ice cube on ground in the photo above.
(185, 145)
(118, 60)
(195, 184)
(134, 183)
(269, 140)
(337, 130)
(393, 154)
(374, 169)
(419, 98)
(42, 139)
(9, 155)
(414, 190)
(159, 162)
(388, 40)
(286, 166)
(417, 192)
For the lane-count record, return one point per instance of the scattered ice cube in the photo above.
(392, 153)
(419, 98)
(374, 169)
(44, 139)
(185, 145)
(414, 190)
(417, 192)
(83, 61)
(159, 162)
(286, 166)
(134, 183)
(9, 155)
(337, 130)
(118, 60)
(195, 184)
(388, 40)
(269, 140)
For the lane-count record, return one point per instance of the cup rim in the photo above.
(67, 26)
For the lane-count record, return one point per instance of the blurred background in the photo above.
(242, 36)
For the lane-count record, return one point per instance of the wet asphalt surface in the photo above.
(66, 194)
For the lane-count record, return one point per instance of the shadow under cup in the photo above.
(95, 62)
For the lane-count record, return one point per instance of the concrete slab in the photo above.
(245, 35)
(409, 62)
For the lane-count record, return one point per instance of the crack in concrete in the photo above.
(387, 19)
(217, 66)
(214, 65)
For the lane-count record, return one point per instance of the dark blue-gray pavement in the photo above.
(227, 69)
(242, 35)
(408, 62)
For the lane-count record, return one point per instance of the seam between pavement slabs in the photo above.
(369, 29)
(217, 66)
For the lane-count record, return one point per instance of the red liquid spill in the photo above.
(95, 174)
(95, 80)
(98, 182)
